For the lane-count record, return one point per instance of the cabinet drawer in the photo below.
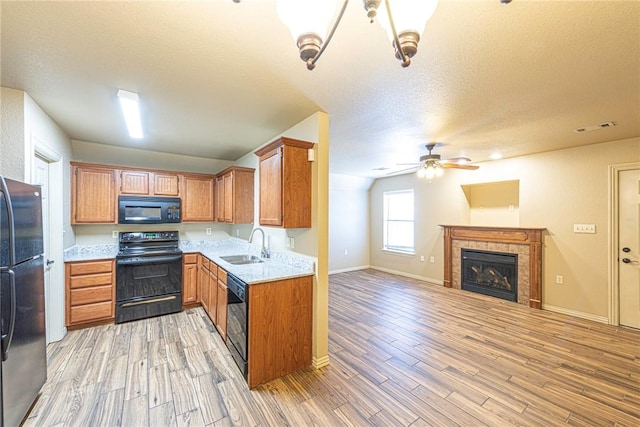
(222, 276)
(90, 280)
(90, 312)
(91, 295)
(190, 258)
(77, 269)
(205, 263)
(213, 267)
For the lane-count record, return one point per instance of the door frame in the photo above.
(56, 240)
(614, 240)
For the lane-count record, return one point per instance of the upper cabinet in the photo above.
(234, 193)
(197, 198)
(93, 195)
(146, 183)
(285, 183)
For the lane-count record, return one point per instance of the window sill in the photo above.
(394, 252)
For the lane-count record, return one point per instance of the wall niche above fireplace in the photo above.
(524, 243)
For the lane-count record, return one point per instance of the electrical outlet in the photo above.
(208, 231)
(114, 234)
(432, 259)
(292, 242)
(237, 232)
(584, 228)
(511, 207)
(346, 252)
(559, 279)
(421, 258)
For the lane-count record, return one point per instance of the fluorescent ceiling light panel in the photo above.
(131, 111)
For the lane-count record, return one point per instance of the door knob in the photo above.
(629, 261)
(626, 250)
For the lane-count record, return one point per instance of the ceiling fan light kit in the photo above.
(431, 166)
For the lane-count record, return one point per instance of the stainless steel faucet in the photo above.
(264, 251)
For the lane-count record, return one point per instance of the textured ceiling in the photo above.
(217, 78)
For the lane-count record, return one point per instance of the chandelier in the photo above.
(308, 21)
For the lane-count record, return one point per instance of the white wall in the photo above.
(348, 222)
(557, 190)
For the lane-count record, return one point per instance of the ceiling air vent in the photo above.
(595, 127)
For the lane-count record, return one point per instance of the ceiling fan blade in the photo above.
(458, 166)
(458, 160)
(408, 164)
(403, 170)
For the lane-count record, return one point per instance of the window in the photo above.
(398, 221)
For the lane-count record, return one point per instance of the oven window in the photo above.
(142, 212)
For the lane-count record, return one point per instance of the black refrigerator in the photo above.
(24, 363)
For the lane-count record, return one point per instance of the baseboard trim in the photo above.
(574, 313)
(348, 269)
(409, 275)
(320, 362)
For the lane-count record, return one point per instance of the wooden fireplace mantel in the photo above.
(510, 235)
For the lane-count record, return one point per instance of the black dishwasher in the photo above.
(237, 321)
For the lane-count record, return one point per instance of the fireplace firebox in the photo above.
(490, 273)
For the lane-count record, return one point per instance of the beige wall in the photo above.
(12, 159)
(348, 222)
(557, 189)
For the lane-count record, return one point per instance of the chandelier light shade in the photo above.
(308, 21)
(410, 18)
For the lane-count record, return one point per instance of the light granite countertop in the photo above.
(281, 265)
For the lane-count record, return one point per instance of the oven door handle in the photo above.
(148, 260)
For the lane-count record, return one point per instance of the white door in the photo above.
(41, 177)
(629, 250)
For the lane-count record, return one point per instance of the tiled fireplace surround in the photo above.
(525, 242)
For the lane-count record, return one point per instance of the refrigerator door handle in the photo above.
(12, 241)
(6, 338)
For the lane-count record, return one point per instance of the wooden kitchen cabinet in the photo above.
(189, 279)
(221, 310)
(197, 198)
(213, 291)
(147, 183)
(93, 195)
(285, 183)
(235, 193)
(90, 293)
(219, 198)
(203, 282)
(280, 328)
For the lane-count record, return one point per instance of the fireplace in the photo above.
(490, 273)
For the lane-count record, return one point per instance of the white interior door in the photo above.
(41, 177)
(629, 247)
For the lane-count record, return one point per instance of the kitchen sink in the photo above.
(242, 259)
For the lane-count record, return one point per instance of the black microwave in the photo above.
(148, 210)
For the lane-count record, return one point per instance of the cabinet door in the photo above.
(134, 182)
(189, 279)
(228, 197)
(197, 200)
(213, 296)
(221, 312)
(93, 196)
(165, 184)
(271, 188)
(220, 199)
(204, 280)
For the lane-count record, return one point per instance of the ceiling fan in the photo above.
(431, 165)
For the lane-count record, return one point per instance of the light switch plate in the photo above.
(584, 228)
(114, 234)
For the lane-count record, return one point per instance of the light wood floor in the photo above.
(402, 353)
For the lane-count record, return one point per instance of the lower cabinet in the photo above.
(221, 310)
(212, 291)
(280, 328)
(189, 279)
(90, 292)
